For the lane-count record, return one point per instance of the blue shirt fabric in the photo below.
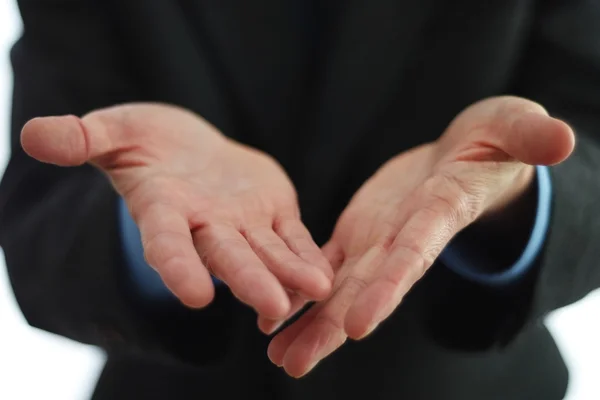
(454, 258)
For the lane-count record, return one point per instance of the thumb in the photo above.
(69, 140)
(537, 139)
(334, 254)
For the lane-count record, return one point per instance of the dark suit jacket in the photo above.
(385, 76)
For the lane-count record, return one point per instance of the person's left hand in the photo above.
(402, 218)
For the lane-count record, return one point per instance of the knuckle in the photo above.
(165, 242)
(282, 225)
(174, 273)
(244, 281)
(343, 297)
(149, 258)
(300, 241)
(417, 257)
(349, 289)
(354, 283)
(211, 255)
(326, 321)
(291, 229)
(393, 281)
(269, 250)
(209, 267)
(414, 259)
(276, 254)
(154, 247)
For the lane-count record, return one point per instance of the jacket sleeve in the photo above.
(59, 226)
(560, 69)
(562, 72)
(496, 264)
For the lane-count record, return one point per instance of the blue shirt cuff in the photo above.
(457, 262)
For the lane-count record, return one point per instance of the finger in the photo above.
(325, 332)
(269, 326)
(538, 139)
(65, 140)
(419, 242)
(520, 128)
(106, 138)
(292, 271)
(315, 336)
(299, 240)
(282, 341)
(169, 248)
(335, 257)
(334, 254)
(228, 255)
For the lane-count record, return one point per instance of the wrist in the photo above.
(510, 223)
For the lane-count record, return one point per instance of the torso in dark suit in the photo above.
(381, 77)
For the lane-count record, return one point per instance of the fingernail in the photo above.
(278, 364)
(275, 327)
(369, 330)
(310, 368)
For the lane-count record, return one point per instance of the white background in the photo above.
(37, 365)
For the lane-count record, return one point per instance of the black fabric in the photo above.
(384, 76)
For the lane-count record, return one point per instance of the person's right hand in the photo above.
(204, 204)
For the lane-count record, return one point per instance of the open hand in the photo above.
(402, 218)
(204, 204)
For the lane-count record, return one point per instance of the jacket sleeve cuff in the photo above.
(457, 259)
